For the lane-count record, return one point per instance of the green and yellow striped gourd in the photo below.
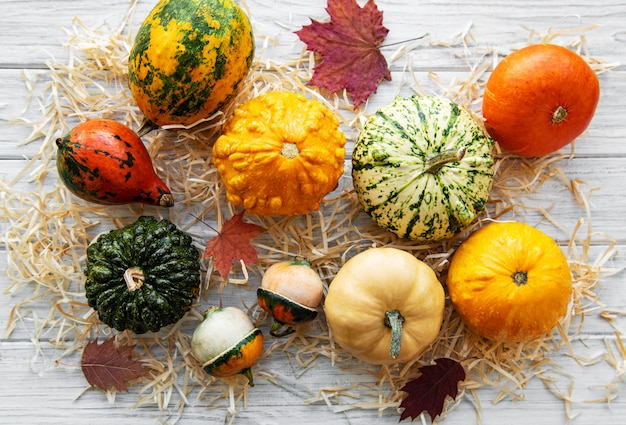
(189, 59)
(423, 168)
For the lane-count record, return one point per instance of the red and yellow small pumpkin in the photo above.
(105, 162)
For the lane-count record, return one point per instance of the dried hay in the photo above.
(48, 231)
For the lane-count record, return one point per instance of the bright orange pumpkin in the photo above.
(539, 99)
(510, 282)
(280, 154)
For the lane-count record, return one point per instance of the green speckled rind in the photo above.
(389, 172)
(171, 268)
(189, 59)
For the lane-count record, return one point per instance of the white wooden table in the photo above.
(34, 389)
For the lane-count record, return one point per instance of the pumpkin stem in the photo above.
(520, 278)
(166, 200)
(289, 150)
(146, 127)
(248, 374)
(394, 320)
(438, 160)
(559, 114)
(300, 261)
(133, 277)
(279, 329)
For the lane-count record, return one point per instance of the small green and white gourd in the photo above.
(423, 168)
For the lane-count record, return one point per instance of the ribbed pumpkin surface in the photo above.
(170, 268)
(280, 154)
(189, 59)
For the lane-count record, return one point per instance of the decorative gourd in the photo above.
(227, 343)
(422, 168)
(539, 99)
(189, 59)
(385, 306)
(143, 276)
(105, 162)
(510, 282)
(280, 154)
(290, 291)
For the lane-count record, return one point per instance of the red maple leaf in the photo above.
(233, 244)
(428, 392)
(349, 46)
(105, 365)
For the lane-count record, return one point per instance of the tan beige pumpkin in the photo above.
(385, 306)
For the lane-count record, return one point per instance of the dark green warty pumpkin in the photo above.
(143, 276)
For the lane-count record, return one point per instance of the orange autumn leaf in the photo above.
(232, 243)
(107, 365)
(349, 46)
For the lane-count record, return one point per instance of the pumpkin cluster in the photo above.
(422, 169)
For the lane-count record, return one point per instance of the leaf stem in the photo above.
(403, 41)
(205, 223)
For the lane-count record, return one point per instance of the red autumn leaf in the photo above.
(233, 244)
(428, 392)
(349, 46)
(105, 365)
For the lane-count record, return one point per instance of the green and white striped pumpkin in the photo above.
(422, 168)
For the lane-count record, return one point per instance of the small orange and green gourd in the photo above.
(189, 59)
(227, 343)
(291, 292)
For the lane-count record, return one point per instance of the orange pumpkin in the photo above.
(510, 282)
(539, 99)
(280, 154)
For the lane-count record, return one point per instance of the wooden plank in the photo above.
(603, 178)
(35, 389)
(499, 24)
(60, 395)
(21, 109)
